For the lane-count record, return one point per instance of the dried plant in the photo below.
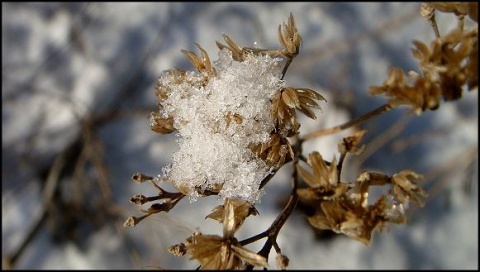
(238, 124)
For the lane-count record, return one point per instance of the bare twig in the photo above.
(374, 113)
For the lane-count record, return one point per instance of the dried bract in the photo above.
(241, 209)
(233, 47)
(203, 64)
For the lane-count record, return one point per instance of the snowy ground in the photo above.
(65, 62)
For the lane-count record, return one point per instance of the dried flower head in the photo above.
(287, 101)
(233, 117)
(216, 252)
(458, 8)
(274, 152)
(351, 144)
(203, 64)
(447, 65)
(289, 38)
(350, 212)
(406, 188)
(344, 217)
(282, 261)
(423, 95)
(241, 210)
(323, 184)
(236, 51)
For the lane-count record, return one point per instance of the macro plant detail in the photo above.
(237, 125)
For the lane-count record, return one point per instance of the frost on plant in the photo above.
(217, 118)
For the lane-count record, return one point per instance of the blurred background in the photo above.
(78, 87)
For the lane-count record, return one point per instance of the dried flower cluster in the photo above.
(343, 206)
(223, 252)
(237, 125)
(233, 117)
(447, 65)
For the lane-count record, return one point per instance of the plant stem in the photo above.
(289, 61)
(376, 112)
(433, 23)
(274, 229)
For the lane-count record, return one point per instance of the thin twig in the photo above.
(340, 165)
(381, 140)
(51, 185)
(376, 112)
(433, 23)
(289, 61)
(274, 229)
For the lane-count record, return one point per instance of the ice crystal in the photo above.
(218, 121)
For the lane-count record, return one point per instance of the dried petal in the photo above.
(242, 209)
(237, 51)
(290, 97)
(250, 256)
(307, 177)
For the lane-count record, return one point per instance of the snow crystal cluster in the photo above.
(218, 121)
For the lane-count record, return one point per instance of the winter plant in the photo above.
(237, 125)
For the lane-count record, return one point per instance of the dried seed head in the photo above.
(241, 210)
(427, 11)
(282, 261)
(203, 63)
(132, 221)
(289, 38)
(351, 144)
(274, 152)
(178, 250)
(138, 199)
(458, 8)
(233, 47)
(287, 101)
(139, 177)
(405, 188)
